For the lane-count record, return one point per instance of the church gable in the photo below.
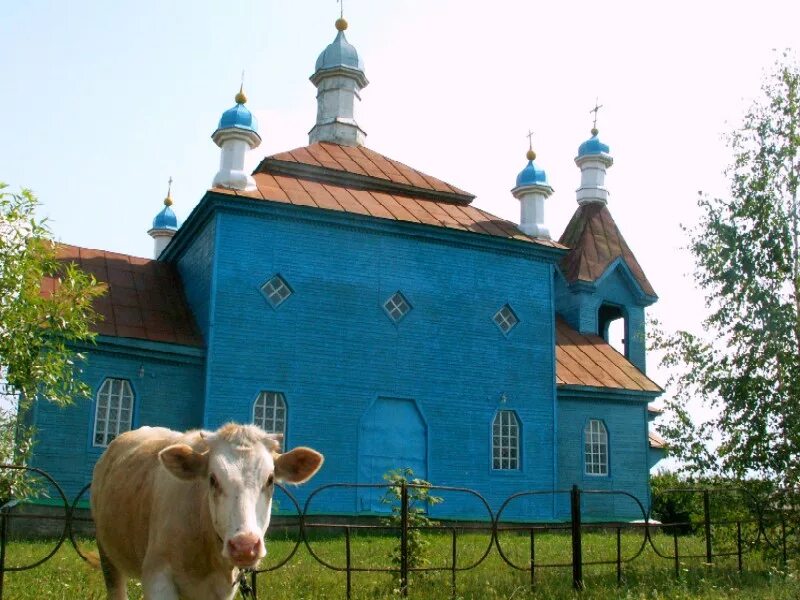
(595, 244)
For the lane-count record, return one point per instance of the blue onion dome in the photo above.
(593, 146)
(531, 174)
(239, 116)
(166, 219)
(340, 53)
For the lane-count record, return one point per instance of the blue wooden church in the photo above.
(369, 310)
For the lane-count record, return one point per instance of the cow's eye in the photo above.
(212, 481)
(270, 481)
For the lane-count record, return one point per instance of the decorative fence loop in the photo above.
(741, 535)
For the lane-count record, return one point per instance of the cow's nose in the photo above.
(244, 546)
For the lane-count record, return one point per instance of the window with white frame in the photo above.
(505, 441)
(595, 443)
(269, 412)
(113, 411)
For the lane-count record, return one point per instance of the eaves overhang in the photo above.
(213, 202)
(584, 392)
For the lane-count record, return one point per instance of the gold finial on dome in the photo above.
(168, 199)
(240, 97)
(595, 131)
(341, 23)
(531, 155)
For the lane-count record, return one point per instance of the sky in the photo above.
(102, 102)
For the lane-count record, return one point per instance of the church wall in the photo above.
(195, 268)
(580, 309)
(331, 349)
(166, 392)
(628, 450)
(614, 288)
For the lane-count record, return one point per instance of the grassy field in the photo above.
(648, 576)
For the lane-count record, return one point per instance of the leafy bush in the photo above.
(419, 500)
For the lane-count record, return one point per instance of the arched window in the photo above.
(505, 441)
(595, 444)
(113, 411)
(269, 412)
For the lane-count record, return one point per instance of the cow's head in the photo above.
(239, 470)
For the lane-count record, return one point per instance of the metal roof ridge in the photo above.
(322, 174)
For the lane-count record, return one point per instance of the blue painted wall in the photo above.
(196, 270)
(626, 424)
(332, 351)
(579, 304)
(167, 391)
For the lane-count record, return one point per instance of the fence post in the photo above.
(252, 585)
(707, 519)
(348, 559)
(403, 538)
(577, 556)
(455, 561)
(739, 543)
(533, 560)
(677, 560)
(619, 555)
(2, 548)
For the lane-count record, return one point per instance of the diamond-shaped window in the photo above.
(276, 291)
(397, 307)
(505, 319)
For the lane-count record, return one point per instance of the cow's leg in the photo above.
(115, 580)
(158, 585)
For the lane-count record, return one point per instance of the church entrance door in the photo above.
(393, 435)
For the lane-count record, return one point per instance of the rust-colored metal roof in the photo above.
(588, 360)
(398, 207)
(363, 161)
(144, 299)
(656, 441)
(595, 242)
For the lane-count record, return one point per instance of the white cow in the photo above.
(184, 512)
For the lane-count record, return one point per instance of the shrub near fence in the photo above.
(514, 543)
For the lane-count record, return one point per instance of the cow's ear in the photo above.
(183, 461)
(298, 466)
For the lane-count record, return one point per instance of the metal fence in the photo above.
(768, 528)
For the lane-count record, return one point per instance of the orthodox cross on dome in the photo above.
(168, 199)
(595, 110)
(341, 8)
(531, 154)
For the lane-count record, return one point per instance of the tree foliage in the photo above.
(38, 330)
(745, 367)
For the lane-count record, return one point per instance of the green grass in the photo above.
(649, 577)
